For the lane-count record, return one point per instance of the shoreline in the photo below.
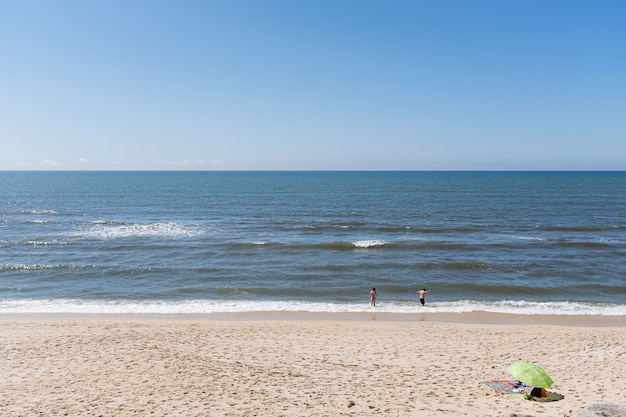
(487, 318)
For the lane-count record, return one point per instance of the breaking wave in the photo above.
(116, 230)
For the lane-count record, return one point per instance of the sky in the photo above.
(312, 85)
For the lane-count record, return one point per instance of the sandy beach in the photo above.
(295, 366)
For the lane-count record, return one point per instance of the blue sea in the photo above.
(219, 242)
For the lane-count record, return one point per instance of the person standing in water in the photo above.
(373, 297)
(422, 294)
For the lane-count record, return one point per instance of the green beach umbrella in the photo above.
(531, 374)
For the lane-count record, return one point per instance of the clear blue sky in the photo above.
(313, 85)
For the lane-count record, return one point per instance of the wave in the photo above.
(44, 243)
(114, 230)
(335, 245)
(31, 212)
(40, 212)
(36, 267)
(33, 243)
(321, 227)
(366, 244)
(73, 306)
(531, 238)
(586, 244)
(580, 228)
(421, 244)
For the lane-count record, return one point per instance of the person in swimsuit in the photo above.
(373, 297)
(422, 294)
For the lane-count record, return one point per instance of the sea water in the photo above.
(214, 242)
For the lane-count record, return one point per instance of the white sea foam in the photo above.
(9, 306)
(107, 230)
(25, 267)
(540, 239)
(45, 243)
(369, 243)
(41, 212)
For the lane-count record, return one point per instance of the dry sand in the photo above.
(124, 366)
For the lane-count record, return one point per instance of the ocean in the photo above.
(219, 242)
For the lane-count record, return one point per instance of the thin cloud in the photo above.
(186, 163)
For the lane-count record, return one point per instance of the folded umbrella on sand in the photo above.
(531, 374)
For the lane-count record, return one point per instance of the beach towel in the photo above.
(508, 386)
